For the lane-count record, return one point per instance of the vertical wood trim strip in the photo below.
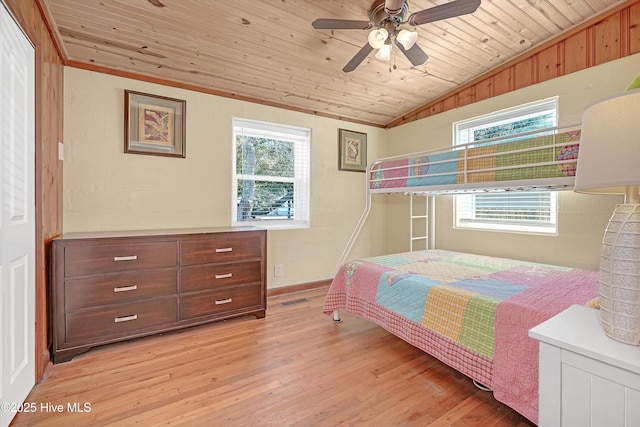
(625, 30)
(634, 29)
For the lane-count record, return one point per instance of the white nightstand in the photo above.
(586, 378)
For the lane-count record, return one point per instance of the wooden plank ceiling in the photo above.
(267, 51)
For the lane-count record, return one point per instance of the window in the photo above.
(270, 174)
(526, 211)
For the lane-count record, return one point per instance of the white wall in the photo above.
(106, 189)
(581, 218)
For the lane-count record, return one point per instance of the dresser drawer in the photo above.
(221, 248)
(85, 260)
(202, 277)
(116, 288)
(120, 319)
(219, 301)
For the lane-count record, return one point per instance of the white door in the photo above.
(17, 218)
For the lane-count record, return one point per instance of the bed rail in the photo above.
(539, 160)
(544, 159)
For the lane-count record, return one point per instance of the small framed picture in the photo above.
(352, 150)
(154, 125)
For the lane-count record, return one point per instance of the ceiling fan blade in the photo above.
(340, 24)
(358, 58)
(415, 55)
(444, 11)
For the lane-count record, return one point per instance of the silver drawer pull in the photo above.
(221, 250)
(223, 301)
(125, 258)
(224, 276)
(125, 318)
(125, 288)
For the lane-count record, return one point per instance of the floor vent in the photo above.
(295, 301)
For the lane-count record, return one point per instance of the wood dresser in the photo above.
(114, 286)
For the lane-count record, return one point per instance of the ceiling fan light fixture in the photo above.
(407, 38)
(384, 53)
(377, 37)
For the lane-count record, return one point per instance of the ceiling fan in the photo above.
(385, 19)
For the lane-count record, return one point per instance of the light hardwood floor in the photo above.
(293, 368)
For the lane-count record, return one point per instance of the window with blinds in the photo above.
(270, 174)
(533, 212)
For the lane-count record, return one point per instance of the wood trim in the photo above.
(54, 35)
(286, 290)
(634, 28)
(195, 88)
(605, 37)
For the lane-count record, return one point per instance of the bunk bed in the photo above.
(471, 312)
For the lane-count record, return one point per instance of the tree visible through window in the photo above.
(271, 174)
(526, 211)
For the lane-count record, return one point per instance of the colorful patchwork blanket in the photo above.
(542, 157)
(472, 312)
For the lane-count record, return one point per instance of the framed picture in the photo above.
(352, 150)
(154, 125)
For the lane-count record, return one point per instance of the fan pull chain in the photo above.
(392, 65)
(393, 59)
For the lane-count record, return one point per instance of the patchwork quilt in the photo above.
(472, 312)
(542, 157)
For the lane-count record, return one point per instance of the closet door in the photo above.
(17, 218)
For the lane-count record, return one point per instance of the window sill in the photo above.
(514, 229)
(274, 225)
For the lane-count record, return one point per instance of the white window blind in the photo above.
(271, 185)
(527, 211)
(513, 211)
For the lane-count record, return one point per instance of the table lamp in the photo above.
(609, 163)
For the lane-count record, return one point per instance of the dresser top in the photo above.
(151, 233)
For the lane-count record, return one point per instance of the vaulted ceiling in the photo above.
(267, 50)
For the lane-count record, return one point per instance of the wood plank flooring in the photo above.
(293, 368)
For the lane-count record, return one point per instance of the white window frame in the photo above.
(463, 132)
(301, 137)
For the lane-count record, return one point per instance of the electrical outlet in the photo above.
(278, 270)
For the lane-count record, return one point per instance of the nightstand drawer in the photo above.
(85, 260)
(211, 276)
(219, 301)
(116, 288)
(120, 319)
(221, 248)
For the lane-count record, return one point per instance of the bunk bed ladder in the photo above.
(415, 217)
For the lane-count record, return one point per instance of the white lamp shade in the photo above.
(377, 37)
(609, 156)
(384, 53)
(407, 38)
